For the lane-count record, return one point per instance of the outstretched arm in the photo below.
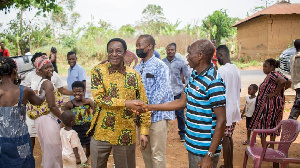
(65, 91)
(33, 98)
(169, 106)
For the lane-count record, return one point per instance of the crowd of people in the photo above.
(133, 103)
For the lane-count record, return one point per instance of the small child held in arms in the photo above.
(249, 109)
(72, 151)
(83, 109)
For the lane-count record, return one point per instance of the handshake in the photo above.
(137, 106)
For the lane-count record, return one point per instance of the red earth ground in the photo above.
(177, 154)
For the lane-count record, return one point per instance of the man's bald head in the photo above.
(205, 47)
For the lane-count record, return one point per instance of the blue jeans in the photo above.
(180, 119)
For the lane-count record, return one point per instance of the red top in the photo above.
(5, 52)
(215, 57)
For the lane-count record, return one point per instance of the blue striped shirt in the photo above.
(205, 91)
(157, 82)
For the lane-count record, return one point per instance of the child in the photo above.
(249, 109)
(72, 151)
(83, 108)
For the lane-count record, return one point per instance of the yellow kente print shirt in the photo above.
(110, 88)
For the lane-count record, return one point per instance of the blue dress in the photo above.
(15, 144)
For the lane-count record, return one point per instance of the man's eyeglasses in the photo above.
(117, 52)
(142, 69)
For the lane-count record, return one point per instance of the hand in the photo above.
(143, 105)
(134, 106)
(206, 162)
(143, 141)
(271, 95)
(78, 161)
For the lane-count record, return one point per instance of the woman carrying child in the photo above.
(83, 108)
(15, 144)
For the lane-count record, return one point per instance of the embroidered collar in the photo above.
(112, 70)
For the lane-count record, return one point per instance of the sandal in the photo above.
(246, 143)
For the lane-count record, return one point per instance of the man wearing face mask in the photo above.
(157, 81)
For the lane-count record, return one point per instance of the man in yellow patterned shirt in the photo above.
(115, 88)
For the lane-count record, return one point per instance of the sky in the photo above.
(121, 12)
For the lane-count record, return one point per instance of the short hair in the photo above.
(223, 49)
(254, 86)
(67, 116)
(27, 49)
(2, 42)
(206, 47)
(172, 44)
(35, 56)
(7, 65)
(71, 53)
(297, 44)
(119, 40)
(78, 84)
(273, 62)
(53, 49)
(149, 38)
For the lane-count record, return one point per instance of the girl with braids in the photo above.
(15, 144)
(270, 100)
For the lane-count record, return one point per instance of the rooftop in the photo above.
(276, 9)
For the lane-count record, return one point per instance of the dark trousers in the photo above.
(295, 111)
(180, 119)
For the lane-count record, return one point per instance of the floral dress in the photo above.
(15, 144)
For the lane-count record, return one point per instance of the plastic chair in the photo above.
(289, 132)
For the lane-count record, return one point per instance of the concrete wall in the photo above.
(267, 36)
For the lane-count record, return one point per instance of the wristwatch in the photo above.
(210, 154)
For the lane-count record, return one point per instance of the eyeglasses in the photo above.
(142, 69)
(117, 52)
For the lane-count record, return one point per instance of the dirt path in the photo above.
(177, 154)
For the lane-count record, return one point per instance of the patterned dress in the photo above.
(15, 144)
(268, 112)
(83, 122)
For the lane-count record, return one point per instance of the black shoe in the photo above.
(182, 139)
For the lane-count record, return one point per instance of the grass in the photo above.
(252, 63)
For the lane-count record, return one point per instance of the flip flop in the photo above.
(246, 143)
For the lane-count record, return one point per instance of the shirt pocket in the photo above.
(150, 83)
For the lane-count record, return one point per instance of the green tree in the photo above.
(218, 25)
(44, 5)
(126, 30)
(153, 20)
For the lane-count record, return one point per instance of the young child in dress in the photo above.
(83, 109)
(249, 109)
(72, 151)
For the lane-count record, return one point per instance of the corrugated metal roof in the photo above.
(276, 9)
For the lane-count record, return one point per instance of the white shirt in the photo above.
(250, 106)
(32, 80)
(28, 53)
(231, 77)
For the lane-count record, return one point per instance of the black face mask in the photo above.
(140, 53)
